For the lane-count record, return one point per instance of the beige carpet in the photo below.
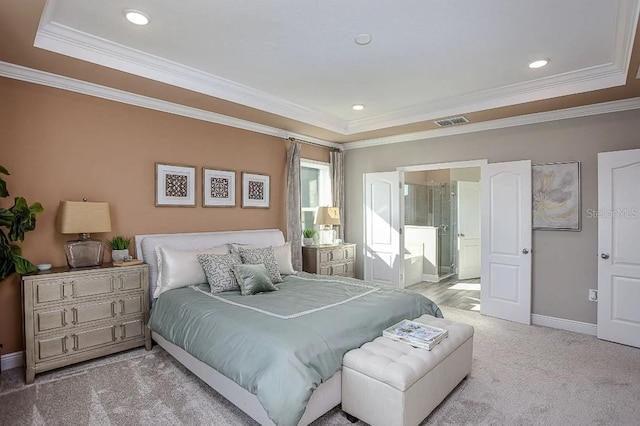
(520, 376)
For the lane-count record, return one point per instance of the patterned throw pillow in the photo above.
(217, 268)
(265, 256)
(253, 279)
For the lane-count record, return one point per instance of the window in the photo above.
(315, 190)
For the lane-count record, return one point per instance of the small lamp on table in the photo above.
(327, 217)
(83, 218)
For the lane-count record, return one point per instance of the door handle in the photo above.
(525, 251)
(461, 235)
(604, 255)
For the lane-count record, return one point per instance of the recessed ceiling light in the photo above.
(362, 39)
(136, 17)
(538, 63)
(357, 107)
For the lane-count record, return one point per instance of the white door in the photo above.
(468, 198)
(618, 253)
(382, 236)
(506, 241)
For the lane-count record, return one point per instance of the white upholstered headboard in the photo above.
(146, 244)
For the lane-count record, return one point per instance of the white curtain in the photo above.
(337, 186)
(294, 222)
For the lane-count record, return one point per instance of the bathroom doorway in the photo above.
(442, 235)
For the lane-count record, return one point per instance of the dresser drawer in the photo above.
(80, 314)
(50, 319)
(49, 347)
(132, 329)
(336, 254)
(58, 290)
(346, 269)
(89, 339)
(132, 280)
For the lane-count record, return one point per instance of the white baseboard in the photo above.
(12, 360)
(564, 324)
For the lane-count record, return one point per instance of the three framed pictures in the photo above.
(175, 187)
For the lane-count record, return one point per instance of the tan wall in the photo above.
(564, 263)
(60, 145)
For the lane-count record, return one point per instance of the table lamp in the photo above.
(327, 217)
(83, 218)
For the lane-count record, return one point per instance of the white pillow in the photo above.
(180, 268)
(283, 258)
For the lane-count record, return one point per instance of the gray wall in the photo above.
(564, 262)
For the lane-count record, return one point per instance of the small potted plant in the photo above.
(307, 237)
(119, 248)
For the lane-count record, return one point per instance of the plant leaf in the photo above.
(24, 218)
(6, 217)
(23, 266)
(6, 257)
(3, 189)
(3, 184)
(36, 208)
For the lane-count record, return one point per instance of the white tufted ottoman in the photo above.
(391, 383)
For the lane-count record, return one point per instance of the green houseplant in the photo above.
(14, 223)
(119, 247)
(307, 236)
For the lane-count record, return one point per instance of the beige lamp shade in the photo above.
(83, 217)
(328, 216)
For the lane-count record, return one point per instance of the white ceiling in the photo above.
(298, 59)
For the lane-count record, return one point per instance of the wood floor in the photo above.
(452, 292)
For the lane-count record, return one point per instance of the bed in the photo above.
(277, 356)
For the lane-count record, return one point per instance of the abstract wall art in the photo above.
(556, 196)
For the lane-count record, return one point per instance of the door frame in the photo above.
(440, 166)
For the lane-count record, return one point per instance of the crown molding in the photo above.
(595, 78)
(43, 78)
(522, 120)
(68, 41)
(30, 75)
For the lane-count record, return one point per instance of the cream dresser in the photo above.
(330, 259)
(72, 315)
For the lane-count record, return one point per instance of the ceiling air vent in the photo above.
(445, 122)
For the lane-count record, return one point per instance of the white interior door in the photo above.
(506, 241)
(383, 262)
(468, 199)
(618, 237)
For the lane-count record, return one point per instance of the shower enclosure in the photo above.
(430, 223)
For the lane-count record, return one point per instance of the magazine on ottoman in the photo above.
(416, 334)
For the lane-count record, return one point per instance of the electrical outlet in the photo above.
(593, 295)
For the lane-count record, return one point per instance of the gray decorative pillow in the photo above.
(217, 268)
(253, 279)
(264, 255)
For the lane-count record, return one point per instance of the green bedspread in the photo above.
(281, 345)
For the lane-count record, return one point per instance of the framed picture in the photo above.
(556, 196)
(219, 188)
(175, 185)
(255, 190)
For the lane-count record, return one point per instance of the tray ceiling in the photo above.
(298, 59)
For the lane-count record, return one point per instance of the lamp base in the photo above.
(326, 236)
(84, 252)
